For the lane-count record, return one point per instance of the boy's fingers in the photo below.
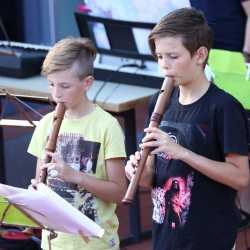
(131, 157)
(129, 170)
(56, 157)
(129, 165)
(50, 154)
(49, 166)
(33, 184)
(33, 181)
(134, 159)
(128, 175)
(137, 155)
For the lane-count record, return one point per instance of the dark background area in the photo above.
(11, 12)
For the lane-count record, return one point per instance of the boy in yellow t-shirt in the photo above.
(88, 161)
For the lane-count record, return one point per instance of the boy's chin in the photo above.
(67, 106)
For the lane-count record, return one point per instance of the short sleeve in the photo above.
(114, 146)
(39, 137)
(232, 127)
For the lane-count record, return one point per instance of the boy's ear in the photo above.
(201, 55)
(88, 81)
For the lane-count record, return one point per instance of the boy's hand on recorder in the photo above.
(57, 168)
(33, 184)
(132, 164)
(161, 142)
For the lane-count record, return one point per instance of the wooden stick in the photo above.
(84, 237)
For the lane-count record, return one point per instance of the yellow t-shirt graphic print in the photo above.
(82, 156)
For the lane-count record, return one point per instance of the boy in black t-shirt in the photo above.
(199, 157)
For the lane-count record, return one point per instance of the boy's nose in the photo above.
(165, 67)
(165, 63)
(57, 92)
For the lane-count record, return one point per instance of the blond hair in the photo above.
(68, 52)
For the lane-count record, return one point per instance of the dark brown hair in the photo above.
(187, 23)
(69, 51)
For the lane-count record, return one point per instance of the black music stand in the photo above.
(119, 33)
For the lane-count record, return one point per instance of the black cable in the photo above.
(104, 83)
(118, 85)
(27, 106)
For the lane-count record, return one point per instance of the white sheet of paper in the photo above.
(51, 210)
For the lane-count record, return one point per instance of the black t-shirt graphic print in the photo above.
(173, 181)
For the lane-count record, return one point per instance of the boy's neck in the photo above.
(81, 110)
(193, 91)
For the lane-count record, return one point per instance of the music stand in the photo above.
(119, 33)
(11, 215)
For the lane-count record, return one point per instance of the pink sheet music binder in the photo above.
(48, 210)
